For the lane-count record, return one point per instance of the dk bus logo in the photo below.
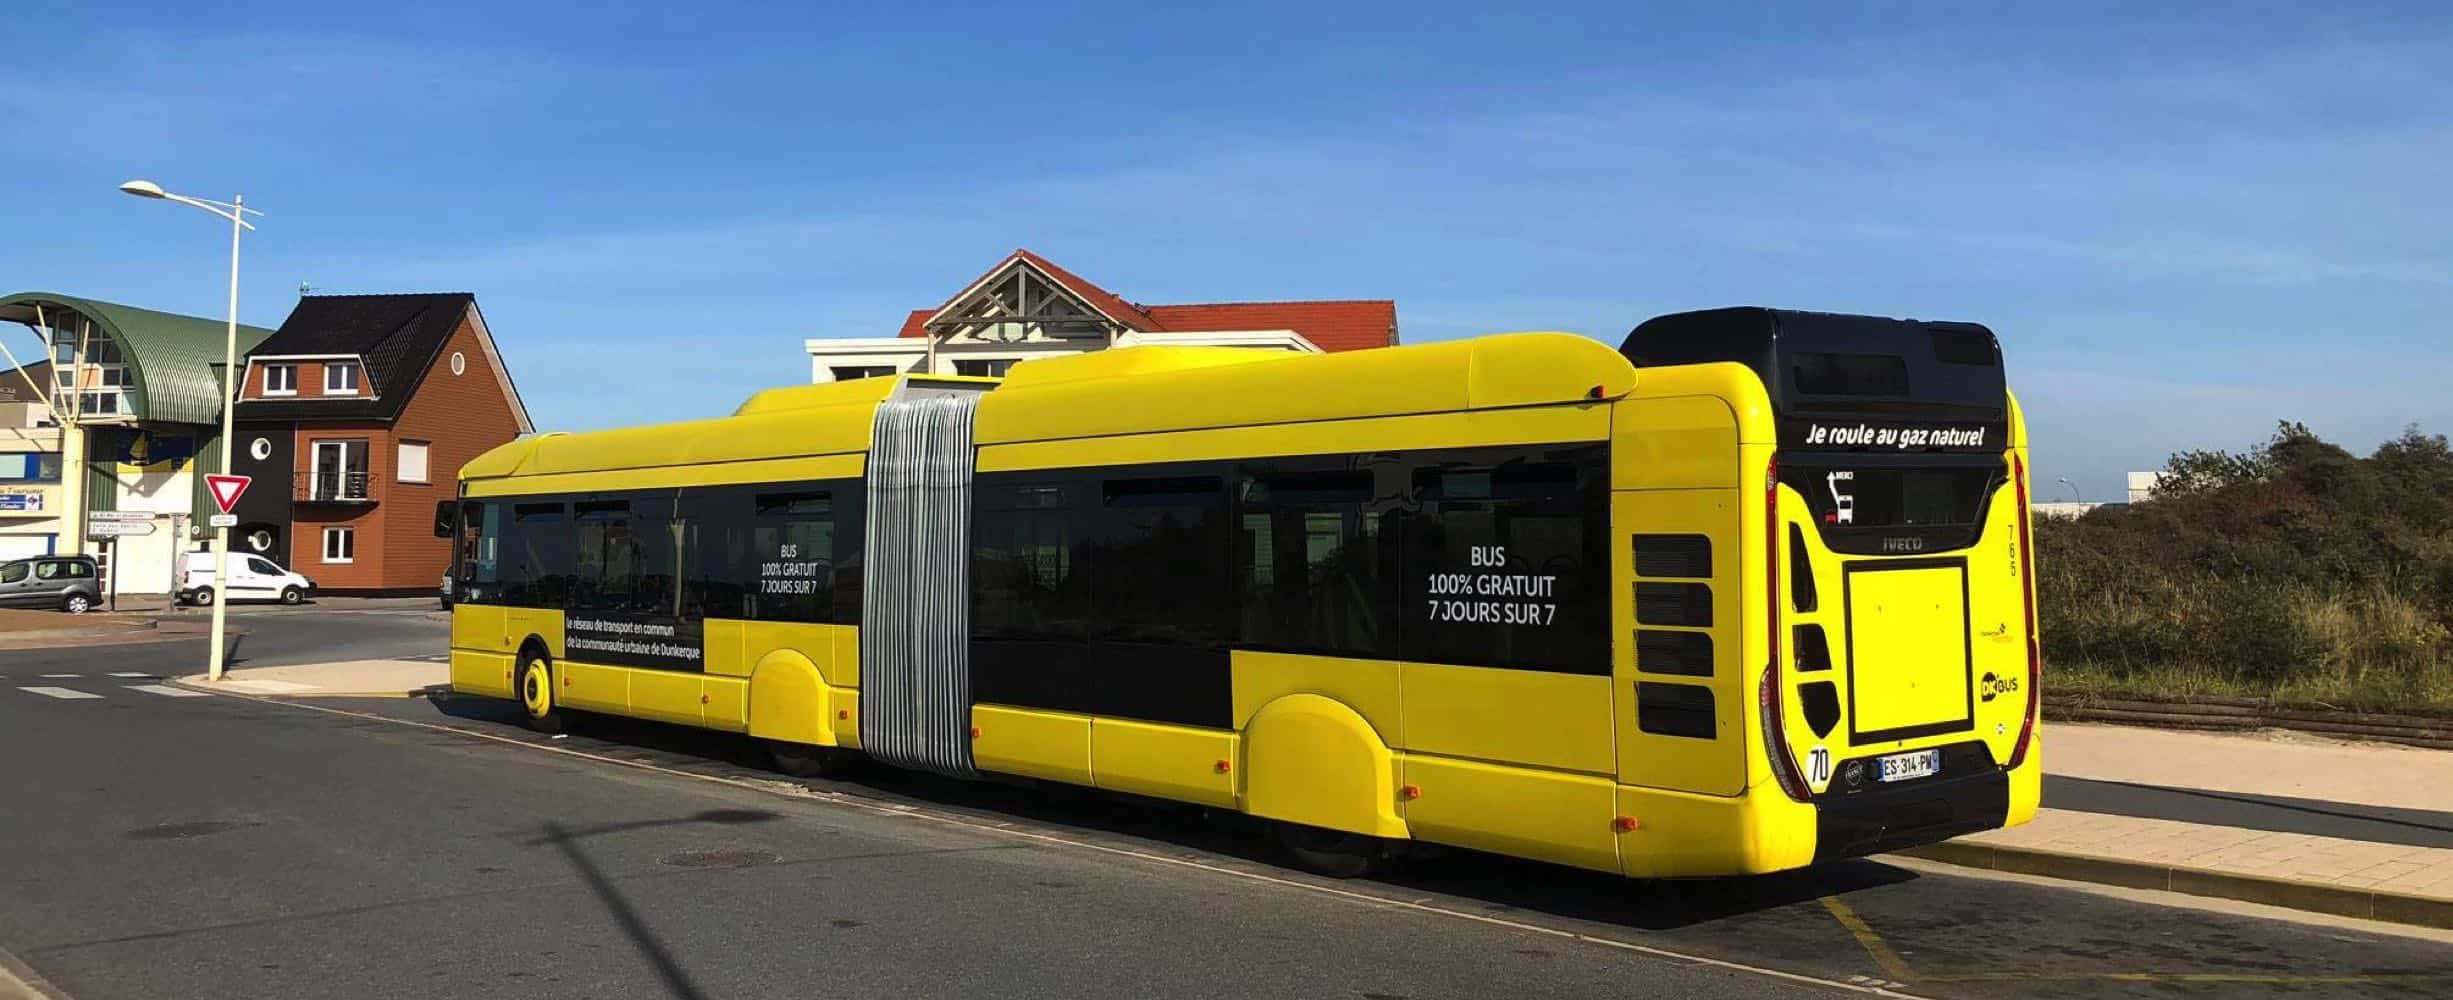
(1993, 685)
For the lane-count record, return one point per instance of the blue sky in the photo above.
(2185, 225)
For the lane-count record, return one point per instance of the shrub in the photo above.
(2297, 569)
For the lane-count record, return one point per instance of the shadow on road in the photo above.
(652, 948)
(1500, 883)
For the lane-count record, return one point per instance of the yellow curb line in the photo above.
(202, 685)
(2295, 894)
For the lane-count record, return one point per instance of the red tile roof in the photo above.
(1330, 325)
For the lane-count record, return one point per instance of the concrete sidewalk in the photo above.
(348, 679)
(2354, 829)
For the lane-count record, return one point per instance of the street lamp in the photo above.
(2065, 481)
(236, 211)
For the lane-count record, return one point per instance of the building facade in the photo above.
(354, 419)
(1028, 307)
(129, 402)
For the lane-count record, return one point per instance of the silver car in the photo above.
(68, 583)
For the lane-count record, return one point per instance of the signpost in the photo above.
(226, 490)
(105, 528)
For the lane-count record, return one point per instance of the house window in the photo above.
(339, 472)
(846, 373)
(340, 545)
(412, 461)
(281, 380)
(30, 467)
(341, 378)
(991, 367)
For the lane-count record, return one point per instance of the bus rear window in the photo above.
(1823, 373)
(1894, 509)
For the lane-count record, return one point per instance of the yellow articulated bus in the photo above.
(1751, 592)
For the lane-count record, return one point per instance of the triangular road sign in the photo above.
(226, 490)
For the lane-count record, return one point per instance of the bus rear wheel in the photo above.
(802, 760)
(536, 693)
(1334, 853)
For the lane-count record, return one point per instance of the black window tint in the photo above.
(606, 563)
(1505, 559)
(476, 565)
(1028, 578)
(792, 545)
(1315, 558)
(542, 559)
(1159, 551)
(1835, 374)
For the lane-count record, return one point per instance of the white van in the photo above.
(252, 578)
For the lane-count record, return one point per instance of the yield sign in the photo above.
(226, 490)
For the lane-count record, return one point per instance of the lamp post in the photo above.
(2065, 481)
(236, 211)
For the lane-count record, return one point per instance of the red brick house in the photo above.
(354, 419)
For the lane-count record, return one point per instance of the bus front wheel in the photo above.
(536, 692)
(1334, 853)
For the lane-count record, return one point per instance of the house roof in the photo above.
(175, 359)
(1336, 325)
(397, 336)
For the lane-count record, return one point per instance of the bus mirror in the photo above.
(446, 518)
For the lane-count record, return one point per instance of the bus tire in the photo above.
(802, 760)
(536, 694)
(1334, 853)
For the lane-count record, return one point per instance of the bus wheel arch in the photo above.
(1312, 761)
(534, 687)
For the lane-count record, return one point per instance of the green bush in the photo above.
(2297, 571)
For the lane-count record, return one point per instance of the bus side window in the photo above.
(542, 563)
(1313, 563)
(480, 531)
(1506, 559)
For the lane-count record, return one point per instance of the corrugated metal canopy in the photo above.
(174, 360)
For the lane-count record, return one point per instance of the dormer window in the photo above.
(341, 378)
(281, 380)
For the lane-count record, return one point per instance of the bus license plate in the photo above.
(1906, 766)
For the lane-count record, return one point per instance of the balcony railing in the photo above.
(332, 486)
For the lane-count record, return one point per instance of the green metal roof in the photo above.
(175, 360)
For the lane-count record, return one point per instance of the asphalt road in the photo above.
(220, 846)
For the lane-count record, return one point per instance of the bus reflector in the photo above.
(2027, 595)
(1626, 824)
(1224, 767)
(1410, 792)
(1767, 695)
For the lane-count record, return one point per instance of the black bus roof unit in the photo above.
(1835, 362)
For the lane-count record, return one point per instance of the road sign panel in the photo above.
(118, 529)
(222, 521)
(226, 491)
(145, 516)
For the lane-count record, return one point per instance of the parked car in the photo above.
(252, 578)
(69, 583)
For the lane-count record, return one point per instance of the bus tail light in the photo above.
(2035, 648)
(1767, 694)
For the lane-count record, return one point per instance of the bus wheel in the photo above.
(537, 695)
(1334, 853)
(801, 760)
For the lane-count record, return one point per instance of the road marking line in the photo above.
(167, 691)
(1889, 961)
(124, 673)
(61, 677)
(52, 692)
(990, 827)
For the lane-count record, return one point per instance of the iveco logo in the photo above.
(1905, 543)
